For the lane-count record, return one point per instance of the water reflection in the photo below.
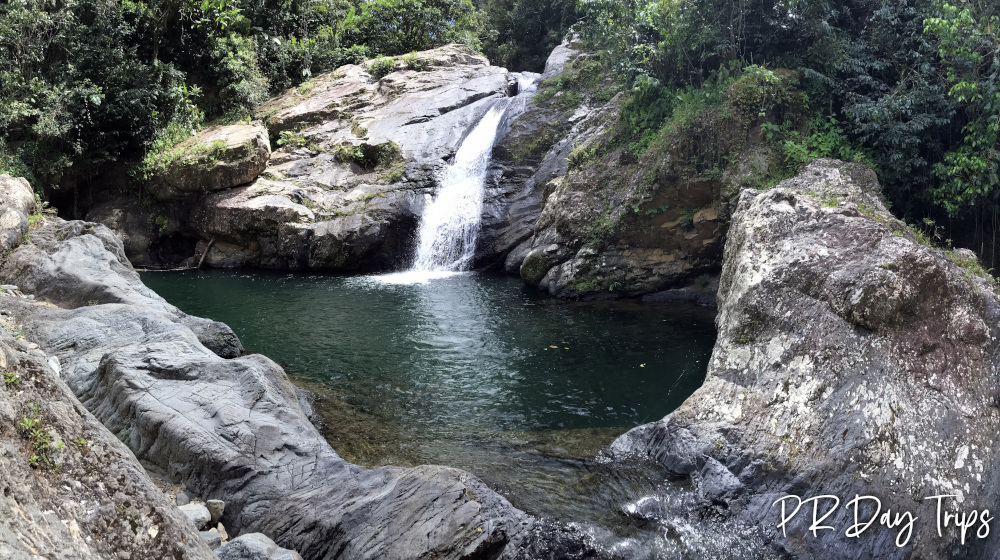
(474, 372)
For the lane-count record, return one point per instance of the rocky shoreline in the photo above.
(852, 360)
(182, 395)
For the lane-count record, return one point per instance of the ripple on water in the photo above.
(480, 373)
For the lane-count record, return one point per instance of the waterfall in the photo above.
(449, 226)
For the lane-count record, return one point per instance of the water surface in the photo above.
(471, 371)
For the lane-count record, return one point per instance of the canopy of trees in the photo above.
(87, 82)
(911, 87)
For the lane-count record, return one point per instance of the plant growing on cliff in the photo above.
(381, 67)
(40, 441)
(11, 379)
(292, 138)
(414, 62)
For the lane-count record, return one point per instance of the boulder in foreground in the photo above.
(851, 360)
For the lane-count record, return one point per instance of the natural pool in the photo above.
(472, 371)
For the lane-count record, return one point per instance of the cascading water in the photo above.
(449, 226)
(446, 240)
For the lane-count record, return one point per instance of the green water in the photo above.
(470, 371)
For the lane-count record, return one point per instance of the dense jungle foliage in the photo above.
(907, 86)
(85, 83)
(910, 87)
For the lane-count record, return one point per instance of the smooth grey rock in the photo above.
(212, 538)
(13, 226)
(99, 504)
(850, 360)
(16, 193)
(80, 264)
(198, 514)
(183, 499)
(255, 546)
(555, 64)
(234, 427)
(216, 508)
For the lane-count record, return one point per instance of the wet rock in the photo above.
(850, 360)
(254, 546)
(198, 514)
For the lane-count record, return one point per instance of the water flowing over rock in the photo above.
(233, 427)
(851, 360)
(449, 226)
(354, 160)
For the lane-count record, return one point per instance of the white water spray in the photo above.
(449, 226)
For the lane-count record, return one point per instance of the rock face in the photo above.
(851, 360)
(355, 160)
(17, 202)
(70, 489)
(531, 158)
(175, 391)
(596, 217)
(16, 194)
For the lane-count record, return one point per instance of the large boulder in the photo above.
(218, 158)
(17, 202)
(16, 193)
(851, 360)
(234, 427)
(71, 490)
(355, 160)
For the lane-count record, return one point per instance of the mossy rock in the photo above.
(218, 158)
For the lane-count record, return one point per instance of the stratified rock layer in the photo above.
(851, 360)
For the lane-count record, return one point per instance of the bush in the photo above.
(381, 67)
(413, 62)
(241, 85)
